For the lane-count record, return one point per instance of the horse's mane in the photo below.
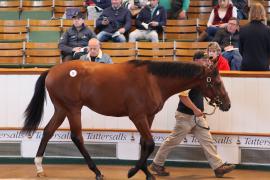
(172, 69)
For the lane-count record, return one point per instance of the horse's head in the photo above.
(213, 88)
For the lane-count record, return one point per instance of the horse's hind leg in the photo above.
(56, 120)
(76, 136)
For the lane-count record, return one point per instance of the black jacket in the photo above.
(144, 16)
(254, 46)
(119, 18)
(73, 38)
(225, 38)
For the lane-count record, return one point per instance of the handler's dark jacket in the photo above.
(119, 18)
(73, 38)
(145, 16)
(225, 38)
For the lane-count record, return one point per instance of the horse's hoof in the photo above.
(41, 174)
(100, 177)
(152, 177)
(132, 172)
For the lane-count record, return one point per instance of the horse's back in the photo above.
(95, 85)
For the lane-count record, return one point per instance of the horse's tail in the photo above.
(34, 110)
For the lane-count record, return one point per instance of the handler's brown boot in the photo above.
(159, 170)
(224, 169)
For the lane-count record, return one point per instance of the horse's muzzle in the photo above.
(224, 107)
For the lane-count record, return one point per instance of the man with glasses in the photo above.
(228, 39)
(149, 22)
(114, 22)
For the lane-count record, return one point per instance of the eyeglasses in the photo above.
(232, 24)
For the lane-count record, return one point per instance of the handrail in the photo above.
(153, 131)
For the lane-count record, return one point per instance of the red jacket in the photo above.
(223, 64)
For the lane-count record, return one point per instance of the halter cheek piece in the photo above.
(216, 101)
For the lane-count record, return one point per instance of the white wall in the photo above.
(250, 100)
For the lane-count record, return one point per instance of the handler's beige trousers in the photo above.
(184, 124)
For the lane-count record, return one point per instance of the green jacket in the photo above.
(167, 4)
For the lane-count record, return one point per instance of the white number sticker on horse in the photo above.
(73, 73)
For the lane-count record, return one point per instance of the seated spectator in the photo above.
(214, 52)
(134, 6)
(219, 18)
(242, 8)
(179, 9)
(176, 9)
(95, 7)
(113, 23)
(95, 54)
(149, 22)
(254, 44)
(228, 39)
(75, 38)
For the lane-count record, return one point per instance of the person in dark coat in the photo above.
(149, 23)
(113, 23)
(228, 39)
(75, 39)
(254, 43)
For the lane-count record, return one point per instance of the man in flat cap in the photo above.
(74, 40)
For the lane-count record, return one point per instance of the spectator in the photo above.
(149, 22)
(255, 41)
(219, 18)
(228, 39)
(113, 23)
(242, 8)
(75, 38)
(95, 54)
(176, 9)
(95, 7)
(134, 6)
(190, 118)
(214, 52)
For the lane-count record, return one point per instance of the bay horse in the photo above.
(137, 89)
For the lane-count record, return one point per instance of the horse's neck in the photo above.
(171, 86)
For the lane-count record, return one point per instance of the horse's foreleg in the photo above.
(147, 147)
(144, 168)
(56, 120)
(77, 138)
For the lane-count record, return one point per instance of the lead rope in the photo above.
(206, 114)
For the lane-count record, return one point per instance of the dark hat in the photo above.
(78, 15)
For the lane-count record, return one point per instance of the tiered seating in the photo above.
(42, 34)
(10, 10)
(184, 51)
(155, 51)
(42, 54)
(60, 7)
(266, 4)
(13, 30)
(120, 52)
(11, 54)
(44, 30)
(37, 9)
(181, 30)
(200, 9)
